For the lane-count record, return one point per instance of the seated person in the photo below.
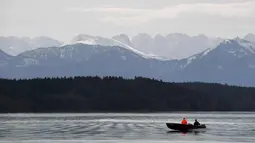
(196, 123)
(184, 121)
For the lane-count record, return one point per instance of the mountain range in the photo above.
(15, 45)
(232, 61)
(173, 46)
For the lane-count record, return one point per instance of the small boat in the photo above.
(184, 128)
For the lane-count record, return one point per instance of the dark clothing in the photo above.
(196, 123)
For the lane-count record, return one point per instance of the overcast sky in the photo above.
(63, 19)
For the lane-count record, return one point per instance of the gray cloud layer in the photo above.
(62, 19)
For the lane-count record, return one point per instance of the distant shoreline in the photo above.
(119, 95)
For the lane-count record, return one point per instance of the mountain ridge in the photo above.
(222, 64)
(169, 46)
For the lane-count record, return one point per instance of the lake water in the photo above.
(125, 128)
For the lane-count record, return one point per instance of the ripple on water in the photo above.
(124, 128)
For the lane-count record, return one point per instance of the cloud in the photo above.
(135, 16)
(109, 9)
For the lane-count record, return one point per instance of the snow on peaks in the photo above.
(248, 46)
(228, 41)
(206, 51)
(119, 40)
(239, 47)
(84, 39)
(131, 49)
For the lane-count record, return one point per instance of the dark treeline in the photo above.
(115, 94)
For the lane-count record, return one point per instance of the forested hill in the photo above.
(115, 94)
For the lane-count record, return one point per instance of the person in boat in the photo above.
(196, 123)
(184, 121)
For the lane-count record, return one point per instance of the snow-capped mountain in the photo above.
(16, 45)
(235, 48)
(121, 40)
(172, 46)
(232, 62)
(82, 59)
(90, 40)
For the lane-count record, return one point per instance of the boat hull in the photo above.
(184, 128)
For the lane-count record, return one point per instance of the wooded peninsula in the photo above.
(116, 94)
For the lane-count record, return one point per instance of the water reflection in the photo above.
(197, 132)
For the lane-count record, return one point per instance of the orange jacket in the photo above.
(184, 121)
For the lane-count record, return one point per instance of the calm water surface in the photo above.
(124, 128)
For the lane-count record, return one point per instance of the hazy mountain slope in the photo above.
(16, 45)
(250, 37)
(175, 46)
